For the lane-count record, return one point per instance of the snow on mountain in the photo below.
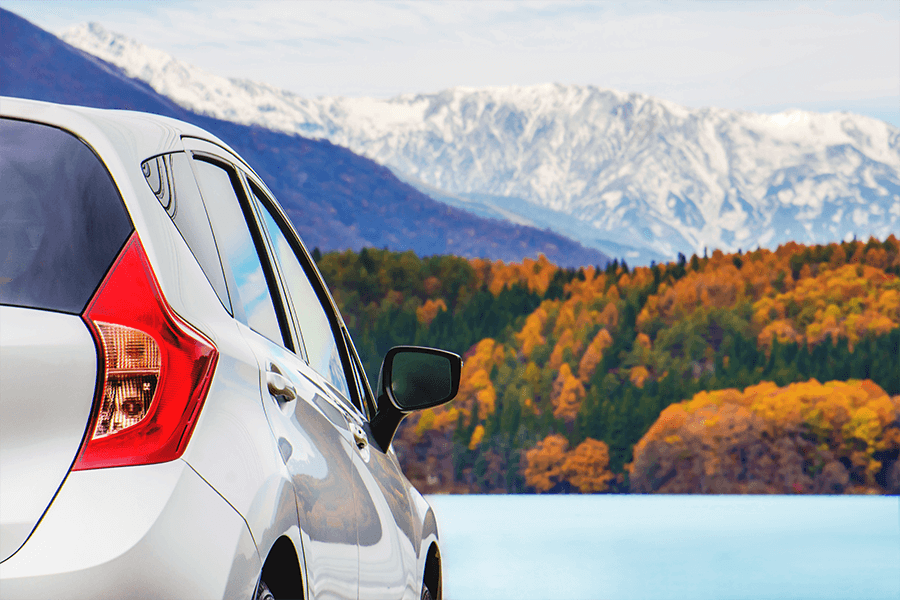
(630, 174)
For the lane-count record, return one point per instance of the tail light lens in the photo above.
(132, 375)
(155, 370)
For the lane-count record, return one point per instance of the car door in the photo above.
(384, 522)
(387, 566)
(312, 434)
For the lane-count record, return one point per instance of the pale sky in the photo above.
(759, 55)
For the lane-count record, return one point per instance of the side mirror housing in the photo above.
(412, 378)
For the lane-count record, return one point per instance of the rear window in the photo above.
(62, 220)
(172, 182)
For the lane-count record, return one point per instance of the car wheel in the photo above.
(263, 593)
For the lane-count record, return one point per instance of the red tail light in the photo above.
(156, 370)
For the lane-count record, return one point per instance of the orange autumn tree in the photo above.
(532, 334)
(535, 275)
(567, 394)
(431, 430)
(773, 279)
(594, 354)
(585, 467)
(851, 301)
(804, 437)
(564, 337)
(543, 468)
(476, 394)
(568, 328)
(795, 294)
(426, 313)
(476, 390)
(719, 285)
(566, 344)
(550, 464)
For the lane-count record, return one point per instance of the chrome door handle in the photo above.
(280, 387)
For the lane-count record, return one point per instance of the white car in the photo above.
(182, 411)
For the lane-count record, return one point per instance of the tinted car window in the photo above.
(248, 286)
(171, 180)
(62, 220)
(315, 327)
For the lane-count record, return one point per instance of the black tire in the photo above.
(263, 593)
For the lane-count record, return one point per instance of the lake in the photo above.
(659, 547)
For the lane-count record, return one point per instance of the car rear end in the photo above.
(102, 382)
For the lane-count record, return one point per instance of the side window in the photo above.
(322, 351)
(248, 285)
(171, 180)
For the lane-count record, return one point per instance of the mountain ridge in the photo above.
(614, 170)
(335, 198)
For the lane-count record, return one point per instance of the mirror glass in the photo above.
(420, 380)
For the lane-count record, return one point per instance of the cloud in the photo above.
(728, 54)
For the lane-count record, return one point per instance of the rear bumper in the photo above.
(154, 531)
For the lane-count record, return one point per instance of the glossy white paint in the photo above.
(105, 532)
(233, 450)
(387, 565)
(314, 443)
(48, 366)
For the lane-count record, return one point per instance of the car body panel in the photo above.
(388, 551)
(227, 450)
(48, 365)
(102, 535)
(312, 437)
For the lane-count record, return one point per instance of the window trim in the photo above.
(285, 294)
(267, 202)
(370, 405)
(272, 278)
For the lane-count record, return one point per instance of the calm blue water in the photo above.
(655, 547)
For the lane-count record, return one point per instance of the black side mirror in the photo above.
(412, 378)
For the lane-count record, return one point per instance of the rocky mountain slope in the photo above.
(635, 175)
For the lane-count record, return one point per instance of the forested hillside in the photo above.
(566, 371)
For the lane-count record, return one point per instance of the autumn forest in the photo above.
(758, 372)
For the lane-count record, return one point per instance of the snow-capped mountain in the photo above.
(336, 199)
(632, 175)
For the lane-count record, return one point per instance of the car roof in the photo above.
(134, 135)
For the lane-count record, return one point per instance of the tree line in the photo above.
(567, 370)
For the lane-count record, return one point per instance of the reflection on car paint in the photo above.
(386, 559)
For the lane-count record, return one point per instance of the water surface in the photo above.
(660, 547)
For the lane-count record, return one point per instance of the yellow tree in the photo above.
(594, 354)
(585, 467)
(532, 334)
(804, 437)
(567, 394)
(566, 342)
(544, 463)
(428, 311)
